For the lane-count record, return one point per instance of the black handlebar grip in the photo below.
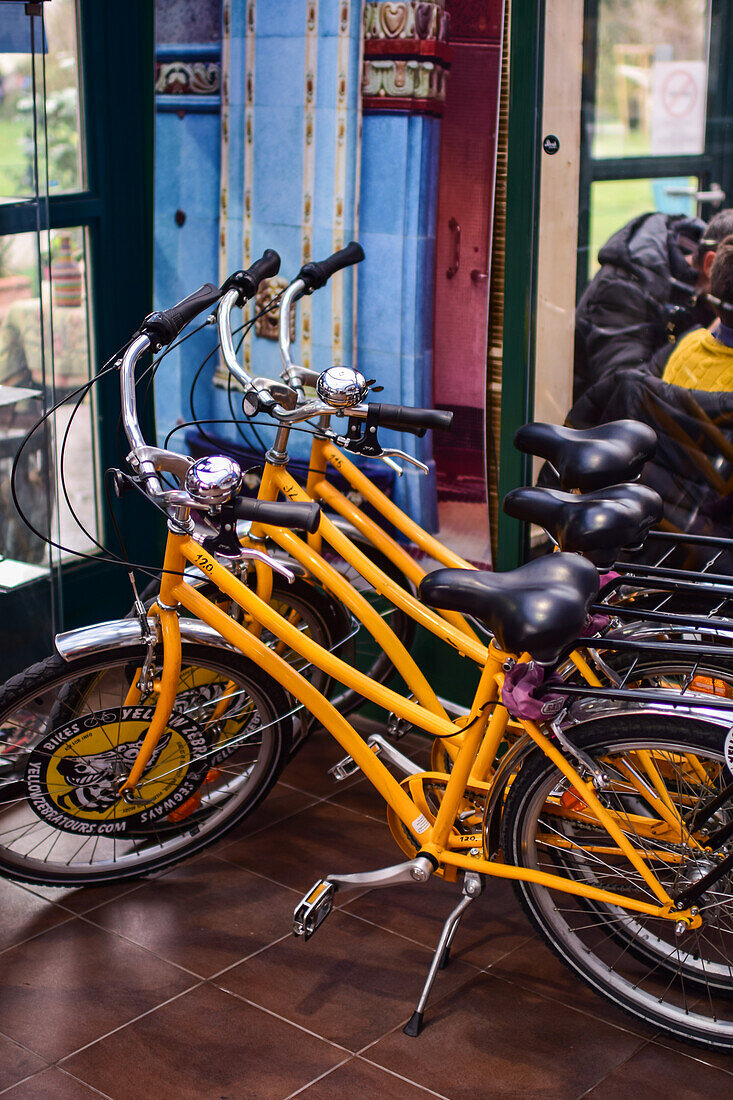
(298, 517)
(317, 273)
(403, 418)
(164, 325)
(247, 282)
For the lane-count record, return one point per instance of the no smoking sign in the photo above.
(678, 107)
(679, 93)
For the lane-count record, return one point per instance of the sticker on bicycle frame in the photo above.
(73, 775)
(420, 824)
(728, 749)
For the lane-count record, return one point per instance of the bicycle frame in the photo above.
(481, 734)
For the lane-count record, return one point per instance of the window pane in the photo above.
(44, 347)
(651, 77)
(615, 202)
(56, 65)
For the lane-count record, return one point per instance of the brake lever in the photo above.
(248, 554)
(387, 453)
(392, 465)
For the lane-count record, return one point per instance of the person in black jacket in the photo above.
(650, 289)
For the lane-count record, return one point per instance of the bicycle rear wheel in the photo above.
(682, 983)
(69, 733)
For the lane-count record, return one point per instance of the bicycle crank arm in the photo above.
(416, 870)
(310, 913)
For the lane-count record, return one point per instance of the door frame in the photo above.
(117, 63)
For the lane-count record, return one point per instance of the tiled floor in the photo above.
(190, 984)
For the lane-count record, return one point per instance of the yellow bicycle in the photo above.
(615, 831)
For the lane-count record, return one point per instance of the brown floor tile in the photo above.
(491, 927)
(360, 1080)
(656, 1074)
(308, 770)
(322, 840)
(709, 1057)
(52, 1084)
(282, 802)
(535, 967)
(351, 982)
(25, 914)
(16, 1062)
(82, 899)
(204, 1044)
(362, 798)
(491, 1039)
(204, 915)
(76, 982)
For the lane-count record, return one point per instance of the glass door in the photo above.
(72, 198)
(620, 142)
(44, 316)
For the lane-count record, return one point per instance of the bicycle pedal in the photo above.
(344, 769)
(311, 912)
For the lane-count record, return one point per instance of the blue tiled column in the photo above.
(278, 160)
(399, 183)
(187, 180)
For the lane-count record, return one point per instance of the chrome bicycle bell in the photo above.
(342, 387)
(213, 480)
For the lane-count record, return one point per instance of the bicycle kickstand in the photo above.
(473, 886)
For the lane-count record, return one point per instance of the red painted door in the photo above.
(463, 248)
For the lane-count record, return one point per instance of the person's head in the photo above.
(719, 227)
(721, 280)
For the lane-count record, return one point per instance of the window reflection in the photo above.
(44, 356)
(56, 67)
(651, 77)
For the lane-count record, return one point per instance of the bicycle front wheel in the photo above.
(680, 982)
(70, 732)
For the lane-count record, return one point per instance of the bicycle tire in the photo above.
(585, 937)
(68, 738)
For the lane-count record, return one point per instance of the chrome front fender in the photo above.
(128, 632)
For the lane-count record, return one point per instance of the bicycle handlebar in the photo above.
(316, 273)
(297, 517)
(404, 418)
(162, 326)
(246, 283)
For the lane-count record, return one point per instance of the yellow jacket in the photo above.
(700, 362)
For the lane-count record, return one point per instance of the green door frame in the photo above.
(524, 148)
(117, 58)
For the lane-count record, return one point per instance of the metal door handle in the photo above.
(479, 276)
(456, 231)
(715, 195)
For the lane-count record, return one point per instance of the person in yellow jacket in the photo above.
(703, 360)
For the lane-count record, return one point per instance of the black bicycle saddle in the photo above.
(598, 525)
(591, 458)
(539, 608)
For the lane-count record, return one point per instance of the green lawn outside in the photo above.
(12, 157)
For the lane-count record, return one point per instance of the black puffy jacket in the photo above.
(644, 281)
(692, 468)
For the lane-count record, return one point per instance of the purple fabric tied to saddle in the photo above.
(518, 694)
(596, 623)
